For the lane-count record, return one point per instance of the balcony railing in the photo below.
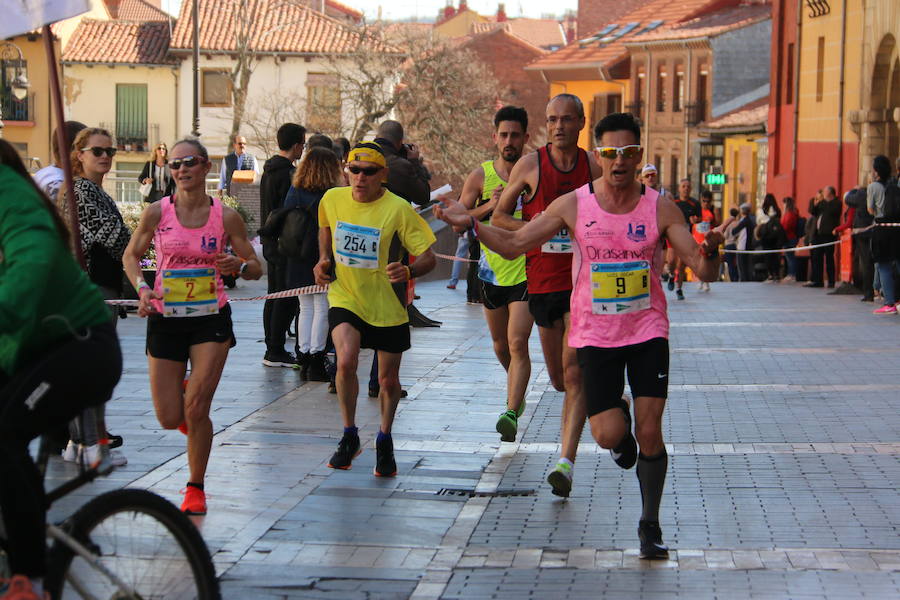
(15, 109)
(636, 108)
(695, 113)
(134, 137)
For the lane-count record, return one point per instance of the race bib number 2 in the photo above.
(560, 244)
(189, 292)
(618, 288)
(356, 246)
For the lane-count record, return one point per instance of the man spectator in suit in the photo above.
(237, 160)
(273, 188)
(827, 213)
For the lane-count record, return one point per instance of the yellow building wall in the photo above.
(37, 130)
(818, 120)
(459, 25)
(740, 166)
(585, 90)
(90, 97)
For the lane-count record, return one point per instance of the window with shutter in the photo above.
(131, 116)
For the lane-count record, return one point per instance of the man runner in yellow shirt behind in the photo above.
(504, 288)
(357, 226)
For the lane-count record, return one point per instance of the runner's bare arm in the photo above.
(237, 234)
(140, 241)
(523, 177)
(397, 272)
(471, 192)
(672, 225)
(321, 271)
(510, 244)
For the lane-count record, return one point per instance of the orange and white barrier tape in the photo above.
(455, 258)
(302, 291)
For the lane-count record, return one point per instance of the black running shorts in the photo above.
(548, 308)
(498, 296)
(393, 339)
(172, 337)
(603, 373)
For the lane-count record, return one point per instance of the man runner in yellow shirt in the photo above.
(504, 288)
(357, 226)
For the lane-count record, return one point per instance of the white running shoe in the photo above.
(70, 454)
(91, 455)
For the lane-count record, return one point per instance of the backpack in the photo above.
(268, 236)
(298, 237)
(891, 203)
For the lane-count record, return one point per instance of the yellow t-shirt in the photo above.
(361, 236)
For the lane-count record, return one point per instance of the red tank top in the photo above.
(549, 268)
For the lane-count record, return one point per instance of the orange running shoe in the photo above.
(183, 427)
(20, 589)
(194, 501)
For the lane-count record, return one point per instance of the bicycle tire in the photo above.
(147, 517)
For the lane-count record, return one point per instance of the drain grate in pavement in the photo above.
(473, 494)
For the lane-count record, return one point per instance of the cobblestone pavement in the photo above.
(782, 427)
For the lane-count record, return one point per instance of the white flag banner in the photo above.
(22, 16)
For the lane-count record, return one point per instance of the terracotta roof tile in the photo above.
(542, 33)
(140, 10)
(753, 114)
(711, 25)
(597, 53)
(124, 42)
(275, 26)
(347, 10)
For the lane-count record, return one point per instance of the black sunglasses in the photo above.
(99, 150)
(187, 161)
(367, 171)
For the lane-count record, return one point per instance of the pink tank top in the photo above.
(617, 298)
(186, 273)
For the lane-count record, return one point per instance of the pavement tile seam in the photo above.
(672, 449)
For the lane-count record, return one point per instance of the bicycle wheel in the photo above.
(142, 538)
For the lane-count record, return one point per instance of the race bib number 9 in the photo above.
(560, 244)
(189, 292)
(618, 288)
(356, 246)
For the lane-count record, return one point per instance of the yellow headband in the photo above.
(368, 152)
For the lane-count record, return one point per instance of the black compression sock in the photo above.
(651, 474)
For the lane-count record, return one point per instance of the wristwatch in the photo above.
(242, 269)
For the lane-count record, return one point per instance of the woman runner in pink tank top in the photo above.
(189, 317)
(618, 311)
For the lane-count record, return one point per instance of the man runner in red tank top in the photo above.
(556, 169)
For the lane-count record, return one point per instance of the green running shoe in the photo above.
(560, 479)
(521, 410)
(507, 426)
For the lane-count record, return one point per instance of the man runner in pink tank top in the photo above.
(618, 312)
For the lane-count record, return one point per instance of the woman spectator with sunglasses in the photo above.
(104, 237)
(188, 310)
(156, 172)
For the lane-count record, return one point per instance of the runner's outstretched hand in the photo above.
(452, 212)
(712, 242)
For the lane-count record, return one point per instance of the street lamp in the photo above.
(19, 83)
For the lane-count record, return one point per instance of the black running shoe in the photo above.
(625, 454)
(652, 547)
(385, 465)
(347, 450)
(671, 282)
(679, 294)
(115, 441)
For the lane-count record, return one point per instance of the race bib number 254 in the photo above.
(356, 246)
